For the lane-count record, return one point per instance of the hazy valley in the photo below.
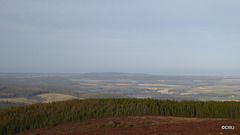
(23, 89)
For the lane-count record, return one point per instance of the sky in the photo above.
(169, 37)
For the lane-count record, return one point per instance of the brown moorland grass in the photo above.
(143, 125)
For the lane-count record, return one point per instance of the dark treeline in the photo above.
(18, 119)
(7, 104)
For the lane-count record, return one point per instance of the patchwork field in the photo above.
(158, 85)
(35, 88)
(165, 91)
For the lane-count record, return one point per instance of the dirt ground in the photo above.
(142, 125)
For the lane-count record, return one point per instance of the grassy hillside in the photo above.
(18, 119)
(53, 97)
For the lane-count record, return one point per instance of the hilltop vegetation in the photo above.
(23, 118)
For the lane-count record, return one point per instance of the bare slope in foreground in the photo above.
(143, 125)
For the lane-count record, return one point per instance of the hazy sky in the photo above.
(158, 36)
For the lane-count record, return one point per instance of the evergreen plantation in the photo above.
(23, 118)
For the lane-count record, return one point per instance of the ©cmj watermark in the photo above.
(227, 127)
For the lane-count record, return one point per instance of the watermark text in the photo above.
(228, 127)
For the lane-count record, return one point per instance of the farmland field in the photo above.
(36, 88)
(53, 97)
